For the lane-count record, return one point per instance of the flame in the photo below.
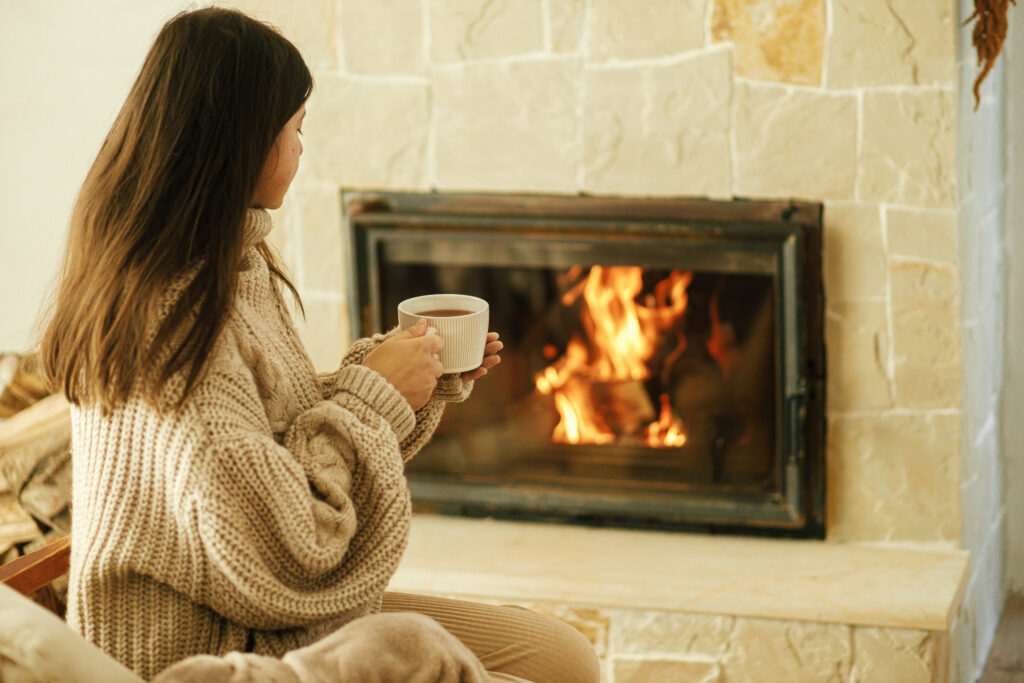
(721, 345)
(666, 431)
(623, 335)
(579, 422)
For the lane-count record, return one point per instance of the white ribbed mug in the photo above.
(464, 335)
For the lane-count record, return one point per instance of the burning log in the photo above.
(624, 406)
(597, 384)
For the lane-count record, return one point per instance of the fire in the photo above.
(722, 344)
(580, 423)
(623, 335)
(666, 431)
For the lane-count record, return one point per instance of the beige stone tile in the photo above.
(894, 477)
(565, 18)
(824, 582)
(307, 23)
(794, 143)
(885, 655)
(924, 235)
(508, 126)
(323, 250)
(908, 149)
(765, 650)
(625, 29)
(665, 671)
(324, 331)
(477, 29)
(362, 133)
(775, 41)
(854, 261)
(645, 632)
(381, 37)
(911, 43)
(926, 335)
(857, 339)
(659, 129)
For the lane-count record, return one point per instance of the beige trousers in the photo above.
(513, 643)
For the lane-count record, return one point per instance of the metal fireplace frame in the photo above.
(781, 237)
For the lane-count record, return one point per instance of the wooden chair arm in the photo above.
(30, 572)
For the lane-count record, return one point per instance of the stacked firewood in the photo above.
(21, 383)
(35, 463)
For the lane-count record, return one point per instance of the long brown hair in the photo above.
(168, 194)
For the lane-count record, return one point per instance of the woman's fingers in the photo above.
(409, 362)
(491, 358)
(473, 374)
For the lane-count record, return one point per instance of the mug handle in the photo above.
(431, 330)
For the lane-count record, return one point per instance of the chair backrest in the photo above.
(37, 569)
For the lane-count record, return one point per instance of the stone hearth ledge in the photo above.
(843, 583)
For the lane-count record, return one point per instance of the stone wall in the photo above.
(851, 102)
(646, 646)
(714, 98)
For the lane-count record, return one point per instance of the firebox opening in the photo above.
(611, 376)
(653, 373)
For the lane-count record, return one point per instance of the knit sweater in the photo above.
(267, 511)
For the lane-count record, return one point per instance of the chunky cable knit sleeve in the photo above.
(355, 355)
(450, 389)
(309, 529)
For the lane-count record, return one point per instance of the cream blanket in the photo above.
(383, 648)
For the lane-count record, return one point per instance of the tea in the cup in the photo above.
(443, 313)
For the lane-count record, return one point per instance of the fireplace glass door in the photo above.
(656, 369)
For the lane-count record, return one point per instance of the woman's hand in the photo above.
(491, 358)
(408, 360)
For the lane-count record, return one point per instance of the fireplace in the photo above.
(663, 363)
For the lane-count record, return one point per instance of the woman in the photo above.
(226, 497)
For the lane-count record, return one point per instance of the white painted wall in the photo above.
(65, 68)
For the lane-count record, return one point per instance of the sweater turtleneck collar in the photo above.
(258, 225)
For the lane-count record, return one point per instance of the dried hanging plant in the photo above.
(989, 34)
